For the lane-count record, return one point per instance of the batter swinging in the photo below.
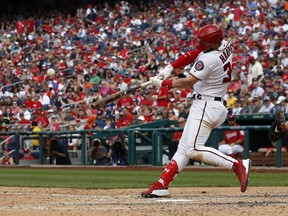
(210, 76)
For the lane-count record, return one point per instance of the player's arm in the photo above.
(175, 83)
(186, 59)
(182, 61)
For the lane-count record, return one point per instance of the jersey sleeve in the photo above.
(186, 59)
(200, 69)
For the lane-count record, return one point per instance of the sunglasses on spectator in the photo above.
(180, 122)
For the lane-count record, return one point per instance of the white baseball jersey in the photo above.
(213, 69)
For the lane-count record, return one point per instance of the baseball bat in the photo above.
(104, 101)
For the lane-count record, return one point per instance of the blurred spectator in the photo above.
(135, 118)
(58, 153)
(237, 108)
(171, 115)
(162, 99)
(273, 148)
(35, 141)
(233, 141)
(255, 70)
(230, 100)
(54, 124)
(27, 155)
(257, 91)
(73, 141)
(267, 106)
(118, 151)
(98, 153)
(172, 146)
(6, 159)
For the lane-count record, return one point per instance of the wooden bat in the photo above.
(104, 101)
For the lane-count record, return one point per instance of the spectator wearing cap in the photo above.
(61, 100)
(27, 155)
(257, 90)
(6, 159)
(255, 70)
(267, 106)
(281, 104)
(35, 140)
(54, 124)
(233, 142)
(147, 101)
(141, 120)
(124, 119)
(79, 125)
(230, 99)
(42, 120)
(100, 119)
(160, 115)
(125, 101)
(135, 118)
(22, 119)
(94, 79)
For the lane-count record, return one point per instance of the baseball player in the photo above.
(210, 76)
(233, 141)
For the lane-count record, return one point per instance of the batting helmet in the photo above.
(208, 36)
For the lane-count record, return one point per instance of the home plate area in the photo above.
(183, 201)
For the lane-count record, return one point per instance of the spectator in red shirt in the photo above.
(147, 101)
(233, 141)
(27, 155)
(22, 119)
(162, 99)
(125, 101)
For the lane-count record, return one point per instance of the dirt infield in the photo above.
(183, 201)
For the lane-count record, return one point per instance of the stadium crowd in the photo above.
(101, 49)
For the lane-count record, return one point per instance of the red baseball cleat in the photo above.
(241, 170)
(156, 190)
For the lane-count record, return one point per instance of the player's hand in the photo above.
(155, 81)
(165, 72)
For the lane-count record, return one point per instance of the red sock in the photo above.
(169, 173)
(232, 155)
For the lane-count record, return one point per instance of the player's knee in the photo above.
(196, 155)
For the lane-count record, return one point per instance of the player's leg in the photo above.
(196, 133)
(160, 188)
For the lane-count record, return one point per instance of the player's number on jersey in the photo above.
(228, 69)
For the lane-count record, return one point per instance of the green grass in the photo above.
(106, 179)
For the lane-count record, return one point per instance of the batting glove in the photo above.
(165, 72)
(155, 81)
